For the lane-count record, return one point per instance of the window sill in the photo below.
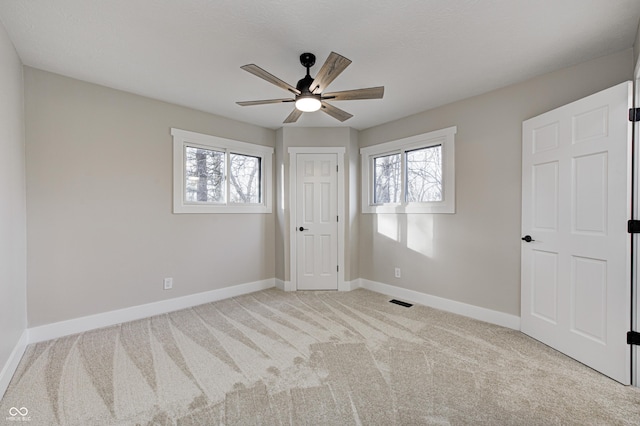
(411, 208)
(222, 209)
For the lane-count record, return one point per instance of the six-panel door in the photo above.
(316, 214)
(576, 186)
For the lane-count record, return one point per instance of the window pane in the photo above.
(244, 179)
(386, 178)
(424, 174)
(204, 173)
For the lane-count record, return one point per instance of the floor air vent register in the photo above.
(401, 303)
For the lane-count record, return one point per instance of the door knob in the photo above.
(527, 238)
(303, 229)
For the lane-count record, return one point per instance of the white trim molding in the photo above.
(11, 365)
(635, 261)
(284, 285)
(349, 285)
(279, 284)
(471, 311)
(105, 319)
(184, 138)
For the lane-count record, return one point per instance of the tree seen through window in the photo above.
(205, 173)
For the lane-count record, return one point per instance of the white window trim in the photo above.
(182, 138)
(444, 137)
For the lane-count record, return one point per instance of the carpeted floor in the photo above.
(310, 358)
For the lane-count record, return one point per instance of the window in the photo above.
(411, 175)
(424, 174)
(244, 175)
(217, 175)
(386, 179)
(204, 175)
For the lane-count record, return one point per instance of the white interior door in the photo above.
(576, 200)
(316, 222)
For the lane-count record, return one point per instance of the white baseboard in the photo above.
(79, 325)
(471, 311)
(285, 285)
(342, 286)
(12, 363)
(349, 285)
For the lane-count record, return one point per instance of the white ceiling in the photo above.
(425, 52)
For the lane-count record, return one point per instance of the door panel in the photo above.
(589, 295)
(316, 213)
(576, 187)
(545, 285)
(545, 198)
(590, 191)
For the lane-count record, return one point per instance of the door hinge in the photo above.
(634, 114)
(337, 218)
(337, 268)
(633, 338)
(336, 167)
(633, 226)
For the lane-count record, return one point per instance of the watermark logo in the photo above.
(18, 415)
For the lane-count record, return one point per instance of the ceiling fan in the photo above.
(309, 92)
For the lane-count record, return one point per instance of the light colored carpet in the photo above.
(310, 358)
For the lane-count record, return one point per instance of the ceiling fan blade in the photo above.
(347, 95)
(331, 68)
(264, 102)
(293, 117)
(259, 72)
(336, 113)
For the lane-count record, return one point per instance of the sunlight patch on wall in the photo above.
(420, 233)
(387, 225)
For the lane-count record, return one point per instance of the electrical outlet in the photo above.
(168, 283)
(397, 272)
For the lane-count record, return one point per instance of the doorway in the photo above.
(316, 189)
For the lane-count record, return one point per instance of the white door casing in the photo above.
(635, 303)
(576, 200)
(316, 191)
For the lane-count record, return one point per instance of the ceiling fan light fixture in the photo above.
(308, 103)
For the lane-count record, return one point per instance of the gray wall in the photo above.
(636, 46)
(473, 256)
(101, 232)
(13, 281)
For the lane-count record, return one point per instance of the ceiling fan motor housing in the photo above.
(304, 85)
